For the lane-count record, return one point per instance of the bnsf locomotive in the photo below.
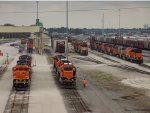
(22, 72)
(128, 53)
(65, 70)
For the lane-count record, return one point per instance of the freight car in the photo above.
(65, 70)
(128, 42)
(59, 45)
(126, 53)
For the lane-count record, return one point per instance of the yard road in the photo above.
(44, 94)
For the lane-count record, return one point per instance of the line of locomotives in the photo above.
(28, 42)
(124, 52)
(22, 72)
(65, 70)
(80, 46)
(130, 42)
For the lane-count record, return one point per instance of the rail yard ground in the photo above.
(113, 86)
(44, 95)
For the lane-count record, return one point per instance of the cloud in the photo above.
(76, 19)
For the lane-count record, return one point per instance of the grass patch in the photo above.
(103, 79)
(99, 75)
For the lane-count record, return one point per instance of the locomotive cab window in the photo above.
(68, 68)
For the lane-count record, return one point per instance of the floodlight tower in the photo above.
(67, 51)
(119, 22)
(37, 18)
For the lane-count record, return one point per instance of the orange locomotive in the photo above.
(65, 70)
(81, 47)
(30, 46)
(127, 53)
(56, 59)
(21, 75)
(132, 54)
(22, 72)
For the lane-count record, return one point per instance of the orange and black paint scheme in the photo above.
(22, 72)
(81, 47)
(127, 53)
(21, 75)
(65, 70)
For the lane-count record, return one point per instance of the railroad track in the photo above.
(123, 66)
(76, 102)
(90, 59)
(101, 55)
(148, 52)
(130, 68)
(97, 54)
(17, 102)
(145, 56)
(73, 98)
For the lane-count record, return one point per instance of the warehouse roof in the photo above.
(19, 29)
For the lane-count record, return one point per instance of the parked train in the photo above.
(22, 72)
(59, 45)
(129, 42)
(65, 70)
(80, 47)
(127, 53)
(30, 46)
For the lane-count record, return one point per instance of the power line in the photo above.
(78, 10)
(135, 8)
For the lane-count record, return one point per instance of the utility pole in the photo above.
(7, 57)
(39, 35)
(67, 27)
(37, 9)
(37, 18)
(119, 22)
(103, 25)
(67, 16)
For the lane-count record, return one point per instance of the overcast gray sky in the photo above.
(79, 19)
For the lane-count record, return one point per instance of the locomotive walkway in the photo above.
(44, 95)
